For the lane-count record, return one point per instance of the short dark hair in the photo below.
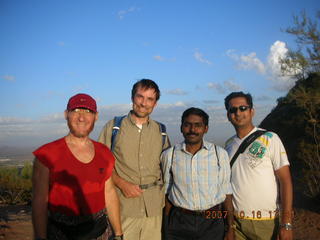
(145, 84)
(232, 95)
(195, 111)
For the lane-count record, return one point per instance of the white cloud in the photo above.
(251, 61)
(217, 87)
(199, 57)
(9, 78)
(177, 91)
(247, 62)
(210, 101)
(123, 13)
(163, 59)
(262, 98)
(271, 69)
(227, 86)
(28, 132)
(13, 120)
(231, 86)
(277, 51)
(159, 58)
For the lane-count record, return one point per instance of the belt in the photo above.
(146, 186)
(199, 212)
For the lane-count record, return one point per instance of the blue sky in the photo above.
(197, 52)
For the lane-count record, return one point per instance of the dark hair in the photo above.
(232, 95)
(195, 111)
(145, 84)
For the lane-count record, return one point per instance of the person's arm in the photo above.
(225, 186)
(128, 189)
(228, 207)
(113, 207)
(165, 163)
(286, 196)
(167, 206)
(40, 184)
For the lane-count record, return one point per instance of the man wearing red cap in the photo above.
(72, 184)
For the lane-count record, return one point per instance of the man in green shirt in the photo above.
(137, 175)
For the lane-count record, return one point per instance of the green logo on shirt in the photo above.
(257, 150)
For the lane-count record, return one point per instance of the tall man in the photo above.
(197, 183)
(72, 182)
(255, 174)
(137, 176)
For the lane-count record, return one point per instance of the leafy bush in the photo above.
(16, 184)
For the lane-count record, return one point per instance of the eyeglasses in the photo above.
(241, 108)
(81, 110)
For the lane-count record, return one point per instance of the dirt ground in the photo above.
(15, 224)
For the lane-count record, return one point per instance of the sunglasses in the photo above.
(241, 108)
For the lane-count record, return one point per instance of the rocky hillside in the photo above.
(296, 120)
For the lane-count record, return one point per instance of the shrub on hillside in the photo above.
(15, 184)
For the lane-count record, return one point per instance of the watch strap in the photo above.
(286, 226)
(119, 237)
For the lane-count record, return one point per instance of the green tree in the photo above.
(306, 58)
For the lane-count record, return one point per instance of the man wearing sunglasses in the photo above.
(255, 175)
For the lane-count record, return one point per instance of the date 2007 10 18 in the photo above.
(223, 214)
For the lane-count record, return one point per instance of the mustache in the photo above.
(192, 134)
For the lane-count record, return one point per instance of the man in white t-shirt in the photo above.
(261, 210)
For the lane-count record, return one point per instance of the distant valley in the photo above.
(15, 156)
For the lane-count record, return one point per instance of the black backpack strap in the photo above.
(215, 147)
(253, 136)
(115, 129)
(163, 131)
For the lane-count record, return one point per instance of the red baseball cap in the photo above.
(82, 100)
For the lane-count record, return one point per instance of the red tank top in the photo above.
(75, 188)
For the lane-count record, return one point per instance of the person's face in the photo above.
(239, 112)
(80, 121)
(143, 102)
(193, 128)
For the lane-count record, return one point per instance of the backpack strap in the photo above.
(163, 131)
(253, 136)
(115, 129)
(215, 147)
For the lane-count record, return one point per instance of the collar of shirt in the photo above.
(132, 120)
(205, 145)
(241, 140)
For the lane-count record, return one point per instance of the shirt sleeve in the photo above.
(225, 172)
(278, 153)
(41, 154)
(165, 160)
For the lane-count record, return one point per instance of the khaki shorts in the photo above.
(256, 229)
(144, 228)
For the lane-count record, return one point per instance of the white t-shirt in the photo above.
(253, 180)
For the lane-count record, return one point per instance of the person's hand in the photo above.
(130, 190)
(229, 234)
(285, 234)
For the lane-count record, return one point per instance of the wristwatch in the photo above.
(286, 226)
(119, 237)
